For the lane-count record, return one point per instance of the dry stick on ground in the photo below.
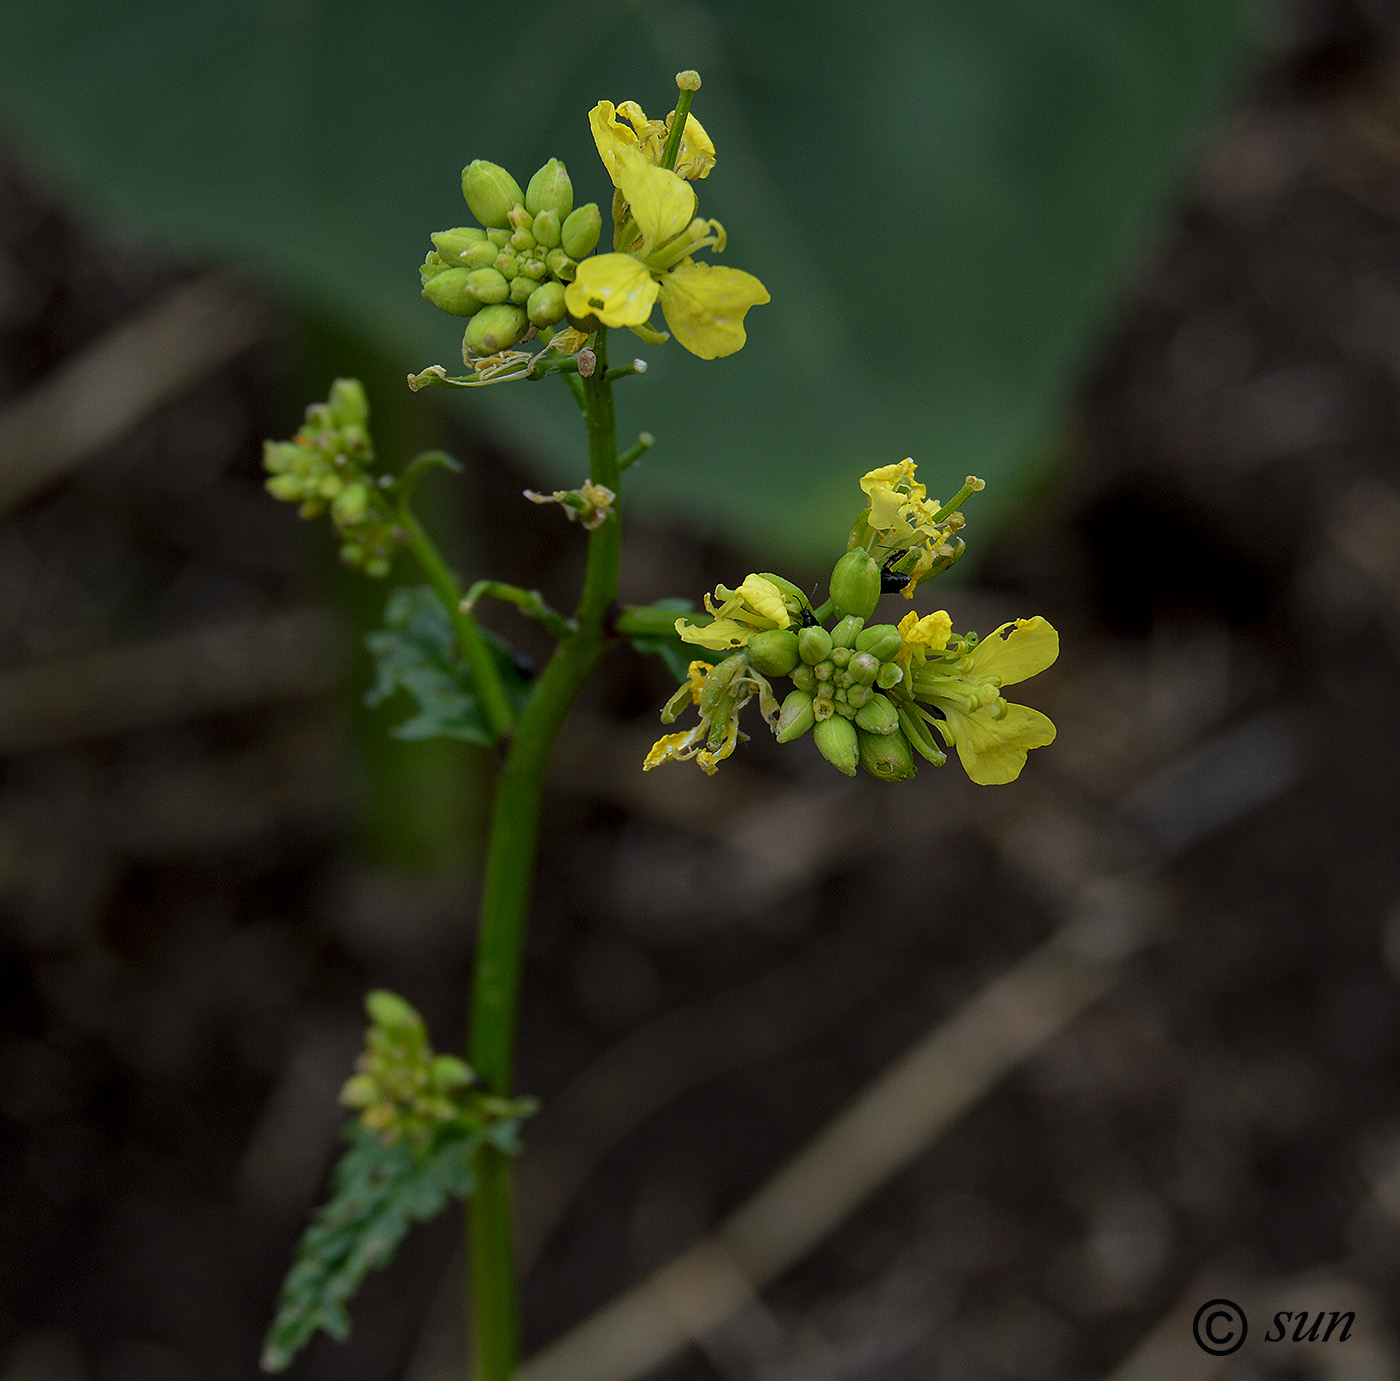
(1111, 918)
(105, 390)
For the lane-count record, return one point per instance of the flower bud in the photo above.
(836, 739)
(546, 229)
(801, 674)
(523, 241)
(774, 652)
(864, 668)
(846, 631)
(500, 238)
(520, 290)
(450, 1072)
(350, 505)
(451, 290)
(580, 230)
(347, 403)
(546, 305)
(842, 708)
(855, 584)
(878, 715)
(859, 695)
(824, 671)
(520, 219)
(493, 329)
(390, 1010)
(506, 263)
(796, 716)
(560, 265)
(891, 674)
(881, 640)
(717, 681)
(453, 244)
(359, 1091)
(488, 286)
(839, 655)
(431, 266)
(814, 645)
(550, 190)
(491, 193)
(886, 756)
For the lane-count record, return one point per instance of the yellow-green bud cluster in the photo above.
(508, 276)
(405, 1092)
(328, 465)
(840, 678)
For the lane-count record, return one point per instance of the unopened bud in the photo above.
(881, 640)
(801, 674)
(431, 266)
(452, 245)
(546, 229)
(390, 1010)
(359, 1091)
(774, 652)
(521, 288)
(451, 290)
(449, 1072)
(796, 716)
(839, 655)
(859, 695)
(491, 193)
(855, 584)
(580, 230)
(886, 756)
(814, 645)
(522, 241)
(878, 715)
(347, 404)
(494, 329)
(864, 667)
(846, 631)
(507, 264)
(500, 238)
(350, 505)
(836, 740)
(891, 674)
(546, 305)
(560, 265)
(488, 286)
(550, 190)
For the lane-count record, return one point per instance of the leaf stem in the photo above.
(485, 672)
(510, 867)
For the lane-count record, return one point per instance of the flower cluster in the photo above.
(873, 695)
(403, 1091)
(508, 277)
(328, 464)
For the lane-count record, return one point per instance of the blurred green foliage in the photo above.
(942, 197)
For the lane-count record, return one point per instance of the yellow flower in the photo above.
(697, 151)
(755, 606)
(991, 735)
(657, 231)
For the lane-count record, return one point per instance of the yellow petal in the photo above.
(662, 204)
(667, 747)
(616, 288)
(1030, 647)
(764, 598)
(704, 306)
(888, 474)
(697, 155)
(719, 636)
(932, 631)
(610, 135)
(993, 751)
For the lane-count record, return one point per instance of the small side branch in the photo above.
(530, 603)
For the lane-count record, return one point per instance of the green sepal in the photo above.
(416, 651)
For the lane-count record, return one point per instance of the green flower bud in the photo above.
(550, 190)
(796, 716)
(859, 695)
(864, 667)
(494, 328)
(546, 305)
(824, 671)
(522, 241)
(846, 631)
(488, 286)
(351, 505)
(840, 655)
(288, 488)
(878, 715)
(887, 756)
(491, 193)
(844, 710)
(453, 244)
(891, 674)
(449, 1072)
(580, 230)
(431, 266)
(814, 645)
(836, 740)
(507, 263)
(347, 403)
(451, 290)
(801, 674)
(855, 584)
(391, 1011)
(359, 1091)
(560, 265)
(546, 229)
(881, 640)
(499, 238)
(520, 290)
(520, 219)
(774, 653)
(717, 681)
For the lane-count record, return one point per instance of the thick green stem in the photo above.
(485, 672)
(510, 870)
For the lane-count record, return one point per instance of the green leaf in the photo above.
(944, 203)
(378, 1193)
(416, 651)
(677, 655)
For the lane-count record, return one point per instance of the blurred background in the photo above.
(1139, 267)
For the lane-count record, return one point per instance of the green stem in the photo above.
(505, 902)
(485, 672)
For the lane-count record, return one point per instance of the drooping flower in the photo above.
(991, 735)
(656, 230)
(720, 692)
(757, 605)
